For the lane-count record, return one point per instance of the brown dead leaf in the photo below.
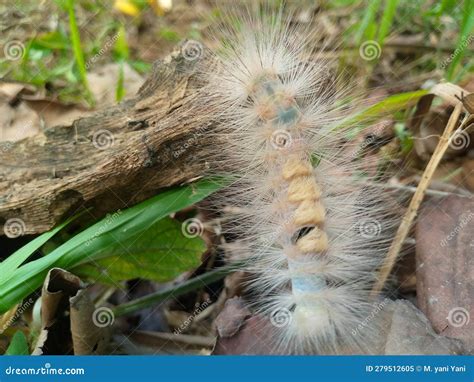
(13, 90)
(103, 83)
(54, 113)
(232, 317)
(7, 318)
(149, 342)
(428, 122)
(411, 333)
(255, 337)
(445, 269)
(69, 322)
(468, 174)
(55, 336)
(449, 92)
(17, 120)
(403, 330)
(90, 327)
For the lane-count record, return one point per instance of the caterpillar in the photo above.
(312, 229)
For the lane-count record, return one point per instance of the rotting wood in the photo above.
(112, 159)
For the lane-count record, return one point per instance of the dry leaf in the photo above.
(103, 83)
(69, 322)
(445, 266)
(90, 327)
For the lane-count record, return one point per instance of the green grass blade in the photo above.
(77, 49)
(447, 6)
(10, 264)
(387, 20)
(185, 287)
(121, 53)
(121, 49)
(367, 21)
(18, 345)
(92, 243)
(385, 107)
(120, 91)
(465, 38)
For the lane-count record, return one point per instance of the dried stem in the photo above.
(412, 211)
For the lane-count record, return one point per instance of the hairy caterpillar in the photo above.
(312, 230)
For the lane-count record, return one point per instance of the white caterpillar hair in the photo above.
(312, 230)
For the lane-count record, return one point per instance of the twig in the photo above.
(186, 339)
(412, 190)
(416, 200)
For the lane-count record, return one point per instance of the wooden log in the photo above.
(110, 160)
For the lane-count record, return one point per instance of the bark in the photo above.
(157, 142)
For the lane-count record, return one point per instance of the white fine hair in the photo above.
(278, 109)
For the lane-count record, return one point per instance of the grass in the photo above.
(58, 60)
(127, 230)
(77, 49)
(387, 20)
(185, 287)
(466, 37)
(366, 29)
(60, 56)
(121, 54)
